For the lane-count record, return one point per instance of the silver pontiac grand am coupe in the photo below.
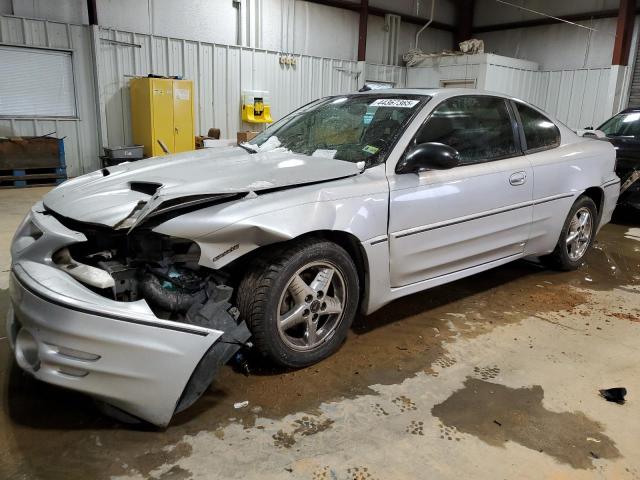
(135, 283)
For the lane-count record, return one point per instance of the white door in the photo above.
(445, 221)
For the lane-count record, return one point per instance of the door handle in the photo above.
(518, 178)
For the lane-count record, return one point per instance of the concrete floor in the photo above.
(494, 376)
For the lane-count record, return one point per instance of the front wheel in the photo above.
(300, 301)
(576, 237)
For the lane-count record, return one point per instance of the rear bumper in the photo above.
(611, 192)
(119, 353)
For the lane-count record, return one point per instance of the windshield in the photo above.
(622, 125)
(354, 128)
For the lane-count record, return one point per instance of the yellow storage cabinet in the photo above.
(162, 110)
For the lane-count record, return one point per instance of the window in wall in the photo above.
(478, 127)
(539, 131)
(36, 83)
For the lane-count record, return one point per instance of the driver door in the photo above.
(474, 215)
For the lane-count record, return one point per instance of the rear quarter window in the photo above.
(540, 133)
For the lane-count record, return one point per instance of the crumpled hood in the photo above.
(108, 196)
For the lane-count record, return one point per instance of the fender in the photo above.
(357, 205)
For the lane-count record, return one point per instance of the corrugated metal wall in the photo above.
(81, 139)
(578, 98)
(386, 73)
(219, 72)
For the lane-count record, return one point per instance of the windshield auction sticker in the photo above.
(371, 149)
(394, 102)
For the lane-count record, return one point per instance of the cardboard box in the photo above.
(212, 134)
(246, 136)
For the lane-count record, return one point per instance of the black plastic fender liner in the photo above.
(216, 313)
(211, 363)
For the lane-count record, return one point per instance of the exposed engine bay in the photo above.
(128, 266)
(145, 265)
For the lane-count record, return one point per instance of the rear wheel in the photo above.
(300, 301)
(576, 237)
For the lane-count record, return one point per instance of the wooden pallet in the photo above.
(32, 177)
(31, 162)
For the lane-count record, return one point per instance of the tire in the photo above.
(566, 256)
(288, 325)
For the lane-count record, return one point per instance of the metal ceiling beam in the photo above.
(464, 21)
(92, 11)
(550, 21)
(362, 30)
(624, 32)
(381, 12)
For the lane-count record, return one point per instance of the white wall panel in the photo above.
(577, 98)
(556, 46)
(431, 40)
(323, 31)
(287, 25)
(69, 11)
(444, 9)
(219, 72)
(81, 139)
(490, 12)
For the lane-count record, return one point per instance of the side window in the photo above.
(478, 127)
(539, 132)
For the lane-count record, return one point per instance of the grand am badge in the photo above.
(226, 252)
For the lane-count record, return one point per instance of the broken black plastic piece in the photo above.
(240, 363)
(615, 394)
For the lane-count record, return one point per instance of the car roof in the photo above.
(444, 93)
(426, 91)
(436, 91)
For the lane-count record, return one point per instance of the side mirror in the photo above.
(428, 156)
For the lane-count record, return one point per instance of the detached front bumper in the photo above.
(119, 352)
(136, 366)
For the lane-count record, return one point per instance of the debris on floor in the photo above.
(241, 404)
(615, 394)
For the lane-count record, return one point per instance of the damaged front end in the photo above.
(133, 270)
(165, 273)
(112, 297)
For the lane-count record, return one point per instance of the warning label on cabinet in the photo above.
(182, 94)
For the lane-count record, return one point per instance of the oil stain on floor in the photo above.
(497, 414)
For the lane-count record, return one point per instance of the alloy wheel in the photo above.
(311, 306)
(579, 234)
